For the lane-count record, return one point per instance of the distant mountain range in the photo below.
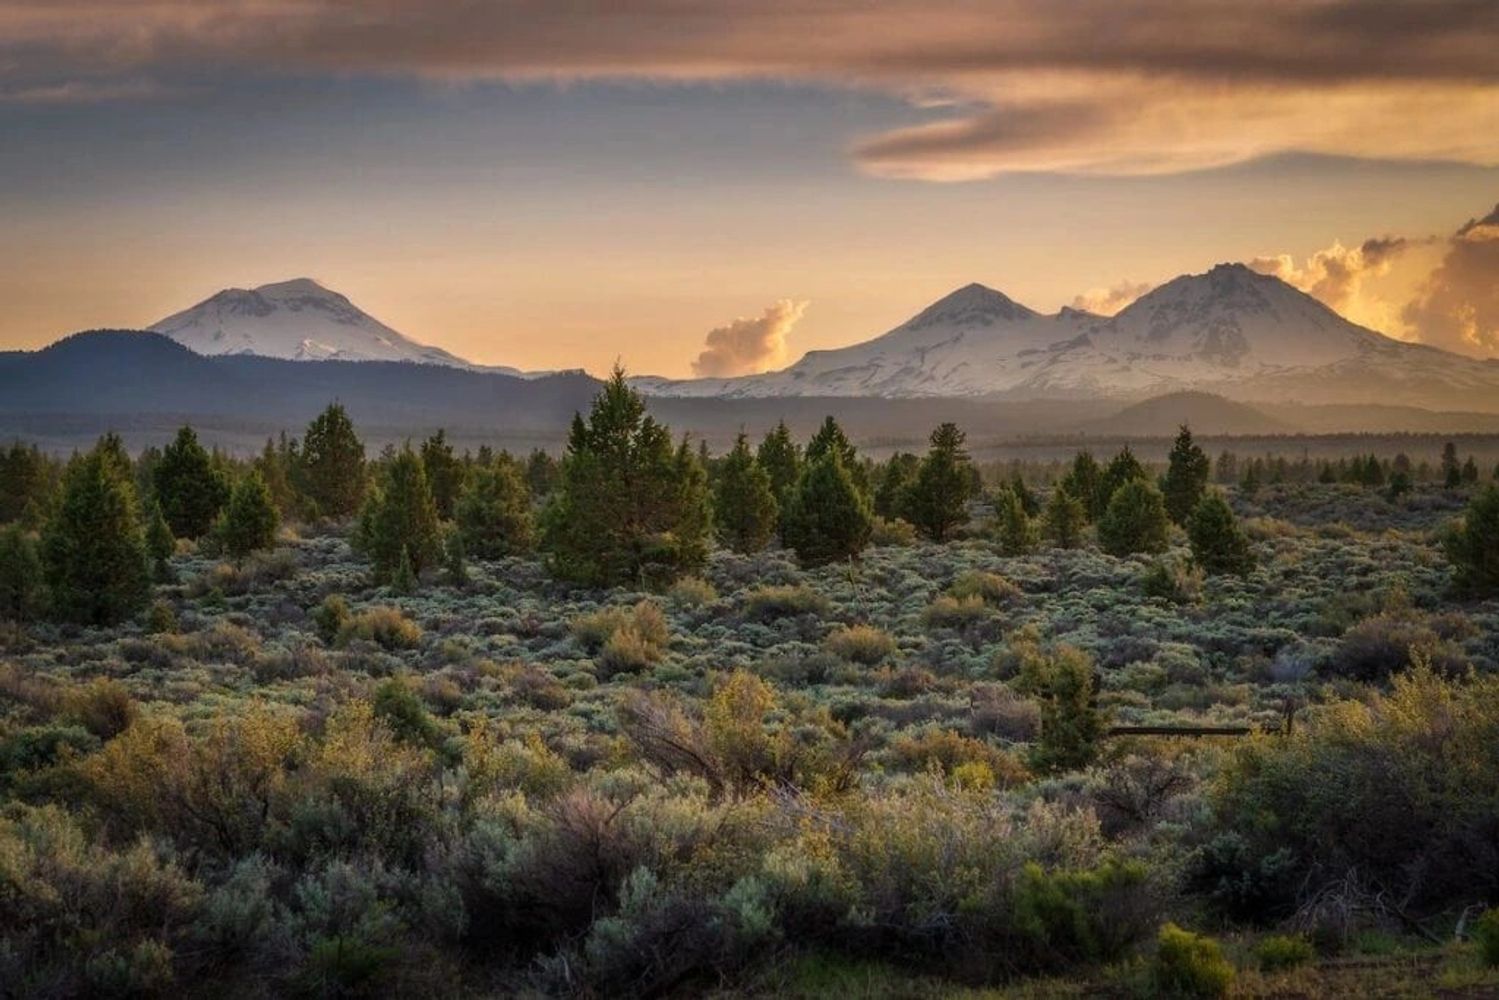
(130, 379)
(1230, 331)
(1230, 352)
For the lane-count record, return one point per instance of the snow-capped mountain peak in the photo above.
(1231, 331)
(298, 320)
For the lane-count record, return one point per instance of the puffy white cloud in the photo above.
(749, 345)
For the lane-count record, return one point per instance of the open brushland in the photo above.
(780, 721)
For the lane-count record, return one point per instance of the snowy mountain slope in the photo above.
(297, 320)
(1231, 331)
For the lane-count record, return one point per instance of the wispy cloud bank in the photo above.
(749, 345)
(1088, 86)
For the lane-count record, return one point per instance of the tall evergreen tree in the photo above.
(830, 517)
(1470, 471)
(1186, 477)
(249, 522)
(160, 542)
(781, 458)
(1219, 544)
(895, 479)
(1024, 495)
(1452, 471)
(542, 473)
(94, 550)
(23, 590)
(744, 505)
(276, 470)
(831, 439)
(1135, 520)
(1122, 468)
(25, 481)
(1012, 525)
(1065, 517)
(444, 473)
(398, 522)
(1472, 545)
(494, 512)
(1082, 481)
(937, 502)
(332, 464)
(190, 489)
(628, 509)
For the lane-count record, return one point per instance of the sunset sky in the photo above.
(560, 183)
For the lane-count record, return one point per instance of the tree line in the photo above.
(627, 504)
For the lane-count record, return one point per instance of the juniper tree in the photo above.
(398, 522)
(444, 473)
(1186, 478)
(895, 480)
(1064, 518)
(1219, 544)
(189, 488)
(332, 469)
(160, 543)
(937, 501)
(1082, 482)
(781, 458)
(744, 505)
(1122, 468)
(94, 549)
(26, 478)
(830, 438)
(1135, 520)
(1012, 525)
(1472, 545)
(249, 522)
(830, 517)
(1452, 472)
(628, 508)
(542, 472)
(23, 590)
(493, 513)
(1027, 498)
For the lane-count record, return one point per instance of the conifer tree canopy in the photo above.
(398, 522)
(1186, 477)
(744, 504)
(830, 518)
(332, 465)
(94, 549)
(493, 513)
(937, 502)
(188, 487)
(1135, 520)
(628, 508)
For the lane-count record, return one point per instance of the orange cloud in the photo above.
(1086, 86)
(1338, 276)
(1457, 306)
(1108, 301)
(747, 346)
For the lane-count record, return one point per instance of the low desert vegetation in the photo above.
(266, 729)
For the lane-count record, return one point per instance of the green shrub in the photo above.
(1065, 682)
(892, 533)
(947, 611)
(1219, 544)
(330, 617)
(1486, 933)
(385, 626)
(1472, 546)
(692, 592)
(1012, 529)
(397, 705)
(1284, 951)
(861, 644)
(768, 603)
(161, 619)
(991, 588)
(1134, 521)
(1190, 965)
